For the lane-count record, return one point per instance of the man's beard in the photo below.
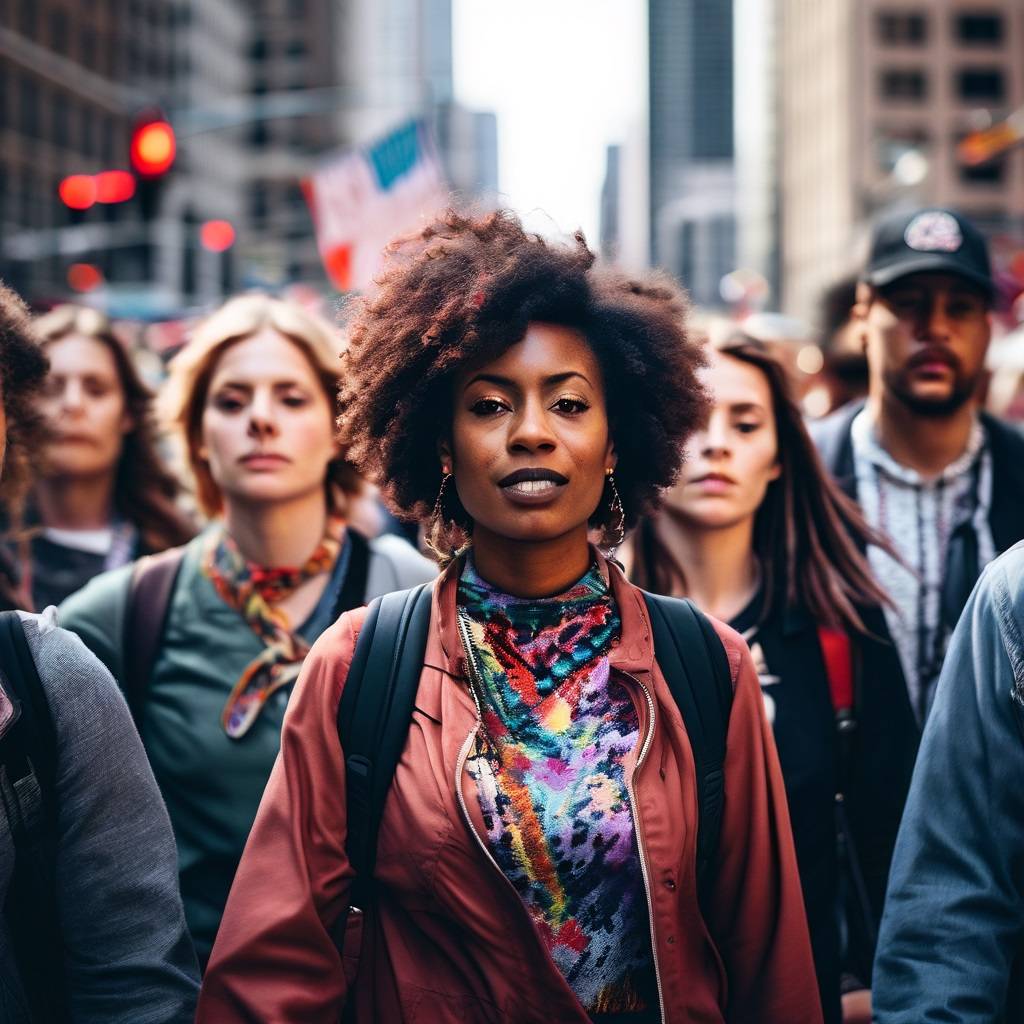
(937, 408)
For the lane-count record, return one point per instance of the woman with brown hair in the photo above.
(757, 532)
(254, 398)
(102, 496)
(537, 857)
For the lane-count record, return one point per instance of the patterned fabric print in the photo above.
(253, 590)
(549, 772)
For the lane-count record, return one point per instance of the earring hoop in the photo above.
(617, 517)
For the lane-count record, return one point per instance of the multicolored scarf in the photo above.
(253, 591)
(551, 782)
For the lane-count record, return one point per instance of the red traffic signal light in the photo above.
(217, 235)
(78, 192)
(114, 186)
(153, 148)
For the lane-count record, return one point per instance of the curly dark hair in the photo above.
(23, 369)
(463, 291)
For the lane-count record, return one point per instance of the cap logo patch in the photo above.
(934, 231)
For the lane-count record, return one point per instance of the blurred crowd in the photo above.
(199, 521)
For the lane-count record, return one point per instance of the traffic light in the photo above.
(153, 147)
(151, 154)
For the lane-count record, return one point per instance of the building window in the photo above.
(978, 29)
(903, 85)
(980, 85)
(902, 28)
(892, 145)
(59, 31)
(296, 49)
(61, 121)
(29, 112)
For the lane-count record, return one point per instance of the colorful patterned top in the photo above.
(549, 771)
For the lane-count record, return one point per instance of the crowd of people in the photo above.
(662, 704)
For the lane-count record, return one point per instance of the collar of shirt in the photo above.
(866, 447)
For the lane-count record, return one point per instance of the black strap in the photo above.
(353, 587)
(373, 718)
(28, 784)
(694, 663)
(149, 599)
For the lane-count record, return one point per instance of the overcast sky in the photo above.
(566, 78)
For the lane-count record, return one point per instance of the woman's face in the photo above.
(730, 463)
(268, 425)
(84, 406)
(530, 439)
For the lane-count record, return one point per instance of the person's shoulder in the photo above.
(1003, 433)
(407, 567)
(69, 671)
(103, 593)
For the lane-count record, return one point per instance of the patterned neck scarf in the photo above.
(254, 591)
(551, 781)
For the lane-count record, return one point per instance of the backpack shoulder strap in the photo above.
(149, 598)
(353, 587)
(28, 787)
(374, 714)
(693, 660)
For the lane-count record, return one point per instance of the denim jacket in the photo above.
(952, 935)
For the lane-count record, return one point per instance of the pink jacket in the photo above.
(449, 939)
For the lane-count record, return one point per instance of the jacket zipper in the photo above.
(644, 749)
(464, 753)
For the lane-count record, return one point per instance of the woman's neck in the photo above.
(277, 535)
(76, 502)
(720, 566)
(531, 568)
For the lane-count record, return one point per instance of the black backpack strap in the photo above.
(373, 719)
(353, 587)
(693, 660)
(28, 786)
(149, 598)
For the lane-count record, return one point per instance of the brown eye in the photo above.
(486, 407)
(571, 406)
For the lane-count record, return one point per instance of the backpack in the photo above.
(28, 789)
(149, 599)
(380, 689)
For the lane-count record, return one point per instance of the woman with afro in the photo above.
(536, 859)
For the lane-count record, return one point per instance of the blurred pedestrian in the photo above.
(92, 920)
(952, 941)
(943, 480)
(757, 533)
(254, 396)
(103, 496)
(513, 398)
(845, 367)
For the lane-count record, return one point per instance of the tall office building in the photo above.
(690, 142)
(874, 97)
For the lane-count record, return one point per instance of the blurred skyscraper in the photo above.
(874, 97)
(690, 140)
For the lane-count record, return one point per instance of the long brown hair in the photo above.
(145, 492)
(808, 535)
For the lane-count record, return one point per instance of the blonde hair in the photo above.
(183, 398)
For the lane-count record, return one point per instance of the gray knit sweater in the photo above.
(128, 958)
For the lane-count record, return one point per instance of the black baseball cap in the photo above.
(932, 239)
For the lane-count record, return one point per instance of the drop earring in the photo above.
(617, 516)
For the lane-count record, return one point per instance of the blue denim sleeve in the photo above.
(954, 914)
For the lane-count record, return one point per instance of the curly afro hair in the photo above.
(463, 291)
(23, 369)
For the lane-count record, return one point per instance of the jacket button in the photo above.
(670, 885)
(671, 940)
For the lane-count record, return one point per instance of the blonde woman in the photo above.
(254, 398)
(102, 496)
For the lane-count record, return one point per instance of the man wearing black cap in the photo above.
(943, 480)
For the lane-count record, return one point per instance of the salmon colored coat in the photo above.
(450, 939)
